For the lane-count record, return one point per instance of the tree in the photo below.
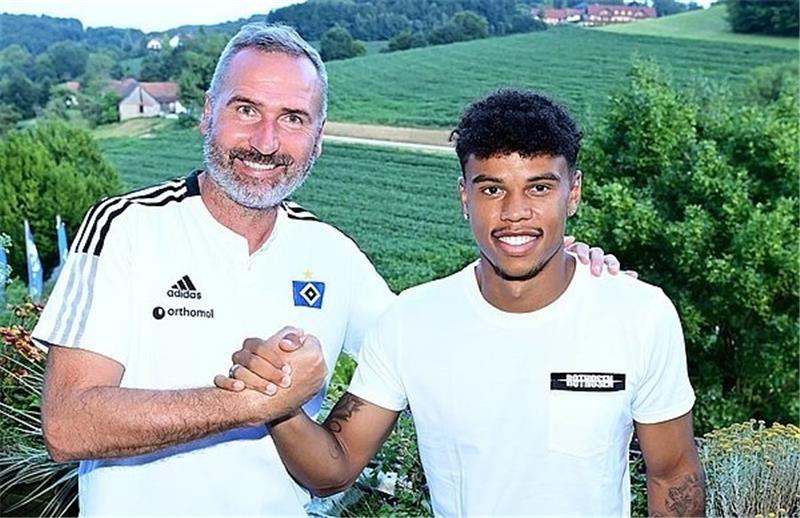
(20, 92)
(68, 59)
(463, 26)
(49, 169)
(337, 43)
(670, 7)
(779, 17)
(699, 194)
(405, 40)
(471, 26)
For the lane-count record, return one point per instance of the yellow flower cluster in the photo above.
(753, 470)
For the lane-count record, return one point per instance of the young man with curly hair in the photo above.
(526, 375)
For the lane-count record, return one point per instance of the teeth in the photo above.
(260, 167)
(516, 240)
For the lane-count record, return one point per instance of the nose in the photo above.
(264, 138)
(516, 208)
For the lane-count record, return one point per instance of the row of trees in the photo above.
(778, 17)
(372, 20)
(33, 85)
(37, 33)
(338, 43)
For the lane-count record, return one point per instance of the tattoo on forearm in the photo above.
(343, 411)
(685, 499)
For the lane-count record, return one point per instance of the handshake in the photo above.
(286, 370)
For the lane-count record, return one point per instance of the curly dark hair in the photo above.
(517, 121)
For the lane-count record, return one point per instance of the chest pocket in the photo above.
(585, 424)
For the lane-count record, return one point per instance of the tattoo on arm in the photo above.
(343, 411)
(685, 499)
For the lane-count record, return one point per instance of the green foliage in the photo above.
(768, 82)
(69, 59)
(49, 169)
(669, 7)
(19, 92)
(337, 43)
(199, 58)
(405, 40)
(464, 26)
(752, 470)
(699, 195)
(36, 33)
(778, 17)
(383, 19)
(579, 66)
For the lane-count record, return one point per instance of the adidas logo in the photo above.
(184, 289)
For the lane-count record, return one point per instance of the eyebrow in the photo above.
(242, 99)
(547, 176)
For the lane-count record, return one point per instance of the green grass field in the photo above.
(430, 86)
(705, 24)
(401, 206)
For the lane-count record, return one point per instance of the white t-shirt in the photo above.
(528, 413)
(157, 284)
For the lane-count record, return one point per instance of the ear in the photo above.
(575, 193)
(462, 192)
(205, 120)
(318, 148)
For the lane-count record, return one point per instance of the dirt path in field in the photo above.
(433, 141)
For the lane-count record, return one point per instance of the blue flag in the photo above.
(63, 247)
(3, 272)
(35, 274)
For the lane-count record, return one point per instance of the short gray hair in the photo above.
(268, 38)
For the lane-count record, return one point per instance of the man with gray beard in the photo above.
(164, 283)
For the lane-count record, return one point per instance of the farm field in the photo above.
(400, 206)
(705, 24)
(429, 87)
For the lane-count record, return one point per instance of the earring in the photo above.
(466, 216)
(572, 212)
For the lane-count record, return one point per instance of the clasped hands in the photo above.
(289, 366)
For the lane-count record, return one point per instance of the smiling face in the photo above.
(518, 208)
(263, 130)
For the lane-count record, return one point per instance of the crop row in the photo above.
(430, 86)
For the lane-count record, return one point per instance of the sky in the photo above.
(146, 15)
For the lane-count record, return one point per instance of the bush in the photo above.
(337, 43)
(699, 194)
(49, 169)
(752, 470)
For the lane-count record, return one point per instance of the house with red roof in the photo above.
(147, 99)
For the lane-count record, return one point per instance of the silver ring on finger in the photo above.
(232, 370)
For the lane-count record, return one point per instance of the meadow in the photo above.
(705, 24)
(429, 87)
(400, 206)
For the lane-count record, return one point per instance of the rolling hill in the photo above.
(704, 24)
(430, 86)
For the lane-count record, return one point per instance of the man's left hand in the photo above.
(596, 257)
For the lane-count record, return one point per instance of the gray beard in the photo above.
(219, 166)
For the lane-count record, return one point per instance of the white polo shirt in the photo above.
(528, 413)
(154, 282)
